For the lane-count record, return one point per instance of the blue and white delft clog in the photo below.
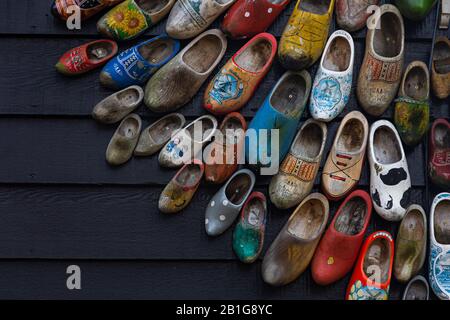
(440, 246)
(333, 81)
(135, 65)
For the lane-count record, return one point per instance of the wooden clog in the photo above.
(225, 205)
(248, 236)
(118, 105)
(224, 155)
(351, 15)
(187, 144)
(372, 274)
(439, 259)
(235, 83)
(412, 108)
(417, 289)
(189, 18)
(246, 19)
(439, 153)
(305, 34)
(380, 73)
(280, 111)
(155, 136)
(136, 65)
(415, 9)
(440, 68)
(131, 18)
(339, 247)
(62, 8)
(342, 170)
(333, 82)
(181, 189)
(292, 250)
(86, 57)
(299, 168)
(411, 244)
(390, 180)
(167, 91)
(124, 140)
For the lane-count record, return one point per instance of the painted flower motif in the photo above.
(126, 20)
(360, 292)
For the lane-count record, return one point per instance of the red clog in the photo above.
(247, 18)
(439, 153)
(372, 274)
(86, 57)
(339, 247)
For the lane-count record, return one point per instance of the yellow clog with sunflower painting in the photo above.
(305, 34)
(133, 17)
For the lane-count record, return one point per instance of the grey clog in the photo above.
(124, 140)
(417, 289)
(118, 105)
(154, 137)
(226, 204)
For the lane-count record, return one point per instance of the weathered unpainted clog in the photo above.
(248, 236)
(412, 108)
(225, 205)
(292, 250)
(390, 180)
(339, 247)
(176, 83)
(131, 18)
(351, 15)
(439, 260)
(86, 57)
(333, 81)
(299, 168)
(342, 170)
(63, 9)
(417, 289)
(155, 136)
(124, 140)
(372, 273)
(305, 34)
(415, 9)
(187, 143)
(411, 244)
(440, 69)
(234, 85)
(181, 189)
(439, 153)
(246, 19)
(136, 65)
(118, 105)
(226, 152)
(380, 73)
(188, 18)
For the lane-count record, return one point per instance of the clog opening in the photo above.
(99, 50)
(416, 83)
(206, 125)
(254, 212)
(157, 51)
(162, 130)
(338, 55)
(417, 290)
(128, 97)
(307, 220)
(238, 188)
(289, 95)
(315, 6)
(412, 228)
(352, 218)
(190, 175)
(377, 261)
(388, 38)
(232, 130)
(352, 137)
(309, 142)
(204, 53)
(129, 128)
(255, 57)
(152, 7)
(441, 57)
(442, 222)
(442, 136)
(385, 146)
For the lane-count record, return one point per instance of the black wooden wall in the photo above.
(61, 204)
